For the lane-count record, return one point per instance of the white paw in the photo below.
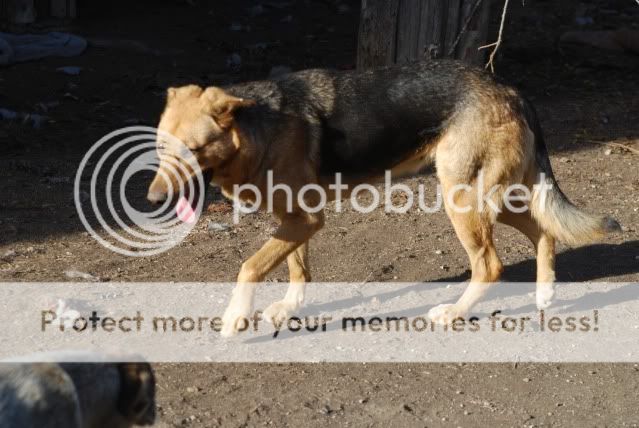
(445, 314)
(279, 313)
(545, 293)
(235, 319)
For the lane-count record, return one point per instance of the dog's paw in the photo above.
(545, 293)
(279, 313)
(445, 314)
(234, 321)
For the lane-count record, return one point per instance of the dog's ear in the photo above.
(188, 91)
(136, 401)
(171, 93)
(222, 106)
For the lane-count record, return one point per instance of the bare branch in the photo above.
(497, 44)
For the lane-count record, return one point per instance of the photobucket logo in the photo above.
(460, 198)
(104, 176)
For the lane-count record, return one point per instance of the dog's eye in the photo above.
(199, 149)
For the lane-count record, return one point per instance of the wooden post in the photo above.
(401, 31)
(377, 32)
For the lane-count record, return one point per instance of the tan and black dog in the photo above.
(309, 125)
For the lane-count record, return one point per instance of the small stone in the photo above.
(8, 255)
(564, 160)
(608, 152)
(527, 379)
(75, 274)
(213, 226)
(438, 252)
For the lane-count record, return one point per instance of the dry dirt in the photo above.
(582, 95)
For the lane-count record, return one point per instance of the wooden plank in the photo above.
(452, 25)
(377, 33)
(401, 31)
(433, 29)
(408, 28)
(476, 33)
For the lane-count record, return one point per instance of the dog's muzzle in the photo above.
(156, 197)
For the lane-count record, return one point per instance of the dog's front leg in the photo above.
(295, 230)
(299, 272)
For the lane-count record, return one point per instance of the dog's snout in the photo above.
(156, 197)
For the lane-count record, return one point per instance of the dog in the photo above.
(308, 125)
(76, 395)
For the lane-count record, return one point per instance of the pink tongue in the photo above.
(185, 211)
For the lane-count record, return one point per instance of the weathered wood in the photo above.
(401, 31)
(377, 33)
(408, 29)
(476, 33)
(452, 25)
(431, 38)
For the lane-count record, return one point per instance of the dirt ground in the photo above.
(583, 96)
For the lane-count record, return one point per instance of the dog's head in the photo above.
(203, 121)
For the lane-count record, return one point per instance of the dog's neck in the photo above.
(243, 167)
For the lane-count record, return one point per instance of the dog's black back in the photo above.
(360, 119)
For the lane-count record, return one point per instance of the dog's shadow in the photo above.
(573, 265)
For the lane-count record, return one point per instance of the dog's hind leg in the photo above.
(295, 230)
(475, 233)
(299, 273)
(472, 193)
(545, 248)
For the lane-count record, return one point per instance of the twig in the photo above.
(498, 42)
(465, 27)
(612, 143)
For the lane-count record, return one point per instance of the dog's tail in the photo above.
(552, 210)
